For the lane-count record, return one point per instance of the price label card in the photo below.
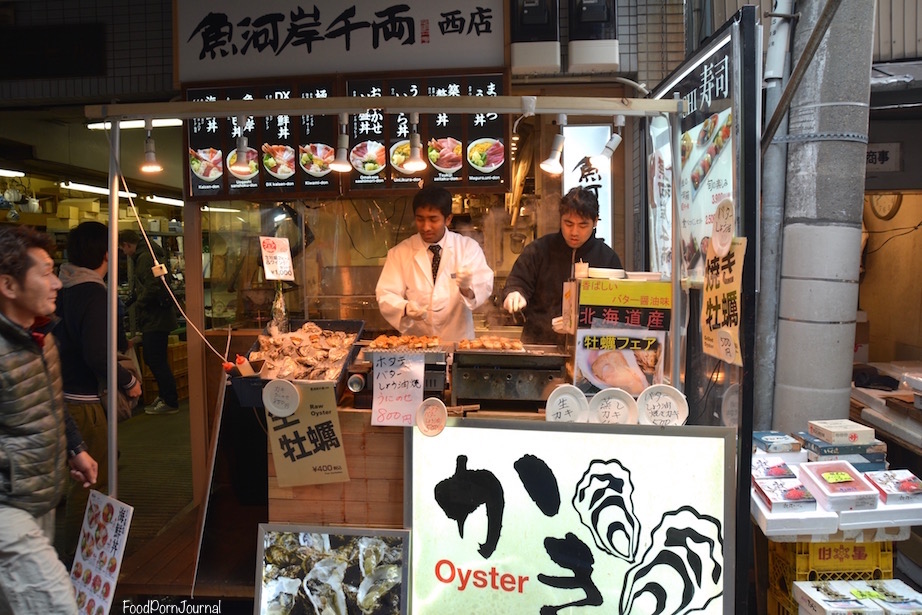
(431, 417)
(837, 477)
(281, 398)
(276, 255)
(397, 387)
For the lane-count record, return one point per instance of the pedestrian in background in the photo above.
(155, 315)
(82, 336)
(38, 439)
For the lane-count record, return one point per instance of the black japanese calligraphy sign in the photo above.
(278, 151)
(399, 128)
(368, 139)
(317, 143)
(243, 176)
(486, 151)
(720, 314)
(575, 518)
(307, 446)
(444, 148)
(207, 143)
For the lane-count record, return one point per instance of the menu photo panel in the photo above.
(317, 144)
(206, 138)
(487, 131)
(446, 134)
(368, 143)
(400, 127)
(243, 163)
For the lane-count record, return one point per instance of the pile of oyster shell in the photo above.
(329, 574)
(309, 353)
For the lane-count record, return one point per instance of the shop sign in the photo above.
(234, 40)
(624, 303)
(707, 158)
(630, 359)
(720, 315)
(884, 158)
(397, 388)
(548, 517)
(307, 444)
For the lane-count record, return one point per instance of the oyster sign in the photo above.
(571, 517)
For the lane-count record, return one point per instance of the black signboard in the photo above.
(486, 135)
(444, 147)
(317, 145)
(206, 149)
(368, 142)
(278, 153)
(243, 176)
(399, 128)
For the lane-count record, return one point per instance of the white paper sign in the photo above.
(276, 258)
(398, 388)
(100, 551)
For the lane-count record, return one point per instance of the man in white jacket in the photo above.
(433, 280)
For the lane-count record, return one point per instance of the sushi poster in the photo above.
(100, 551)
(326, 569)
(571, 518)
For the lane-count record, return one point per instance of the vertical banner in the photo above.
(100, 552)
(720, 318)
(570, 518)
(206, 143)
(317, 147)
(397, 388)
(369, 146)
(243, 175)
(304, 433)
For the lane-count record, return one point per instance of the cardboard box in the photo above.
(775, 441)
(91, 205)
(841, 431)
(892, 595)
(831, 598)
(67, 212)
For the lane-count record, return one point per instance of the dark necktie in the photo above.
(436, 259)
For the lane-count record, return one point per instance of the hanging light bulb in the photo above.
(604, 157)
(150, 164)
(552, 164)
(415, 162)
(341, 163)
(241, 166)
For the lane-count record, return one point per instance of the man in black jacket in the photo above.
(535, 284)
(156, 318)
(82, 340)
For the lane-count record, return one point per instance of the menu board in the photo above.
(290, 156)
(446, 135)
(103, 537)
(368, 146)
(278, 152)
(246, 181)
(206, 155)
(399, 128)
(486, 147)
(317, 145)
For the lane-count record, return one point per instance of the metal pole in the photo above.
(112, 334)
(678, 311)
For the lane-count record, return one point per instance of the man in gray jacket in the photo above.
(38, 440)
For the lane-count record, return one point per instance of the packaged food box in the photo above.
(841, 431)
(896, 486)
(892, 595)
(838, 486)
(832, 598)
(767, 466)
(821, 447)
(785, 495)
(775, 441)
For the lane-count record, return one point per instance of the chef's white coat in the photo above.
(407, 276)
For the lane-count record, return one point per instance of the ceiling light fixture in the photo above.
(415, 162)
(129, 124)
(341, 163)
(604, 157)
(165, 200)
(552, 164)
(150, 164)
(241, 165)
(11, 173)
(78, 187)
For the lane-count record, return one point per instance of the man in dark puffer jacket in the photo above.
(38, 440)
(535, 284)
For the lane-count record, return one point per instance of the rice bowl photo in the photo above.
(445, 154)
(207, 164)
(315, 158)
(279, 160)
(252, 156)
(368, 157)
(486, 154)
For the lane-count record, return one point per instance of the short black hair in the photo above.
(88, 244)
(14, 244)
(582, 202)
(128, 236)
(433, 196)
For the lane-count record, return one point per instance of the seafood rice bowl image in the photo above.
(207, 164)
(315, 158)
(368, 157)
(279, 160)
(400, 153)
(445, 154)
(252, 156)
(486, 154)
